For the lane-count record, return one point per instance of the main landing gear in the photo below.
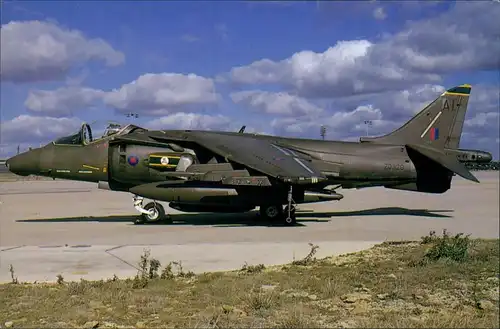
(152, 212)
(275, 212)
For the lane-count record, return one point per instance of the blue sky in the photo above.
(280, 68)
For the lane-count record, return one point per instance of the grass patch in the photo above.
(440, 281)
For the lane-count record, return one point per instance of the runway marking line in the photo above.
(108, 251)
(12, 248)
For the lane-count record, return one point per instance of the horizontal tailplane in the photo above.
(449, 162)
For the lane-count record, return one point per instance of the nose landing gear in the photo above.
(153, 212)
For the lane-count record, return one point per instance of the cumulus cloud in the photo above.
(343, 69)
(33, 51)
(33, 129)
(485, 98)
(345, 116)
(461, 39)
(340, 125)
(190, 121)
(395, 104)
(152, 94)
(483, 119)
(63, 101)
(162, 93)
(275, 103)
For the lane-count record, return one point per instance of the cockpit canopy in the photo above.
(84, 135)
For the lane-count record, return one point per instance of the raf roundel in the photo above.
(164, 161)
(133, 160)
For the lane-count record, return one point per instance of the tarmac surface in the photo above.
(73, 229)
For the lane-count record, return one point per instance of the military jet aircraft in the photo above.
(218, 171)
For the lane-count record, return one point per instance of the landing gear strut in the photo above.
(273, 212)
(290, 209)
(153, 212)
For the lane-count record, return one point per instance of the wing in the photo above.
(261, 155)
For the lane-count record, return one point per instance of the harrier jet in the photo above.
(216, 171)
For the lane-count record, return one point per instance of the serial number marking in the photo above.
(394, 166)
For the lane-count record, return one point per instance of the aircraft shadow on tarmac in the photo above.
(379, 212)
(250, 218)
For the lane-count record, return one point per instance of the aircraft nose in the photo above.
(24, 164)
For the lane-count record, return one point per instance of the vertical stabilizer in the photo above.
(438, 125)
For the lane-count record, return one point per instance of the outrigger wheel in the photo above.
(157, 214)
(276, 212)
(271, 212)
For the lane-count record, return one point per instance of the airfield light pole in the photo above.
(323, 132)
(368, 123)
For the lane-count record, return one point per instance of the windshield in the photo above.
(84, 135)
(112, 129)
(75, 139)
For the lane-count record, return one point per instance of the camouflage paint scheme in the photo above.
(235, 171)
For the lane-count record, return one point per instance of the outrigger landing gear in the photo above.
(153, 212)
(275, 212)
(290, 218)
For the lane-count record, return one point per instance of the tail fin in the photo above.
(438, 125)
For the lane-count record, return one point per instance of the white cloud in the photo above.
(379, 13)
(344, 117)
(275, 103)
(33, 129)
(34, 51)
(398, 104)
(152, 94)
(341, 70)
(481, 120)
(485, 98)
(63, 101)
(162, 93)
(340, 125)
(464, 38)
(190, 121)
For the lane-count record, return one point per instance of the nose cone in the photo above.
(25, 164)
(487, 157)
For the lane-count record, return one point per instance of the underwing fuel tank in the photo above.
(197, 207)
(183, 193)
(179, 191)
(311, 197)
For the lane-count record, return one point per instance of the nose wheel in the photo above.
(152, 212)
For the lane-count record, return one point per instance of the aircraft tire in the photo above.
(271, 212)
(158, 215)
